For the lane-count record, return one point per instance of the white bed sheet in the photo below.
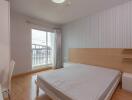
(80, 82)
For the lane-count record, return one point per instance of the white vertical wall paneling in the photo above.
(111, 28)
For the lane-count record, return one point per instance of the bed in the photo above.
(79, 82)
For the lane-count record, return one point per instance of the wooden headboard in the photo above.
(120, 59)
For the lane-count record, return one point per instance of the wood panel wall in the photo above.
(115, 58)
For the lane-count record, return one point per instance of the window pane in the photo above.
(38, 37)
(39, 47)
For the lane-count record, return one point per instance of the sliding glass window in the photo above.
(42, 48)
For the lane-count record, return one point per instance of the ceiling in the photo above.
(61, 14)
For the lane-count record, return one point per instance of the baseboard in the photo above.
(31, 72)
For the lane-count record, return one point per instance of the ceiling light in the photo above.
(58, 1)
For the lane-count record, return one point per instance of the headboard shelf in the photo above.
(127, 51)
(127, 59)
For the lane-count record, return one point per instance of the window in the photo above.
(42, 48)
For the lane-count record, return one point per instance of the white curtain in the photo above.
(58, 49)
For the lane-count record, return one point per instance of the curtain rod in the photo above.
(30, 22)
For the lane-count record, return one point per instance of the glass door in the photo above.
(42, 48)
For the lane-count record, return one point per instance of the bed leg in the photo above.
(37, 92)
(37, 88)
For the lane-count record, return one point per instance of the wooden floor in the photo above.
(23, 88)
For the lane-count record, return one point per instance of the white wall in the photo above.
(4, 33)
(111, 28)
(21, 40)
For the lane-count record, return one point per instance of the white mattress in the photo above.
(79, 82)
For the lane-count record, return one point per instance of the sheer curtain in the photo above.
(58, 49)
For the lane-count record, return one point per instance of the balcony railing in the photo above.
(41, 55)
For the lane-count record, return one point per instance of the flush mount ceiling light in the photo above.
(58, 1)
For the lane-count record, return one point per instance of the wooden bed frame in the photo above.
(116, 58)
(120, 59)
